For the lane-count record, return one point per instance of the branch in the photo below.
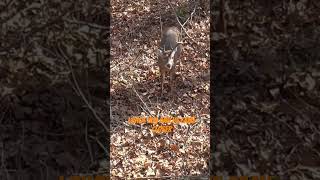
(182, 25)
(144, 104)
(81, 93)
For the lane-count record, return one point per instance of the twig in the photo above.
(86, 128)
(190, 17)
(87, 141)
(141, 100)
(46, 166)
(182, 26)
(81, 93)
(3, 163)
(100, 144)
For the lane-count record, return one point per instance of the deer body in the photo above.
(168, 54)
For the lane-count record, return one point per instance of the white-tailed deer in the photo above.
(168, 54)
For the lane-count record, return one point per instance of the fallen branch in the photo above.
(144, 104)
(81, 93)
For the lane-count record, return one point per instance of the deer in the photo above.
(168, 55)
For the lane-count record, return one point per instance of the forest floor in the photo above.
(137, 151)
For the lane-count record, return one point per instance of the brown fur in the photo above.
(169, 53)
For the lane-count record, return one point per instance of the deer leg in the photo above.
(162, 81)
(180, 64)
(172, 78)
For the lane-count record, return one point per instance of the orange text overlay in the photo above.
(155, 120)
(163, 120)
(211, 178)
(162, 129)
